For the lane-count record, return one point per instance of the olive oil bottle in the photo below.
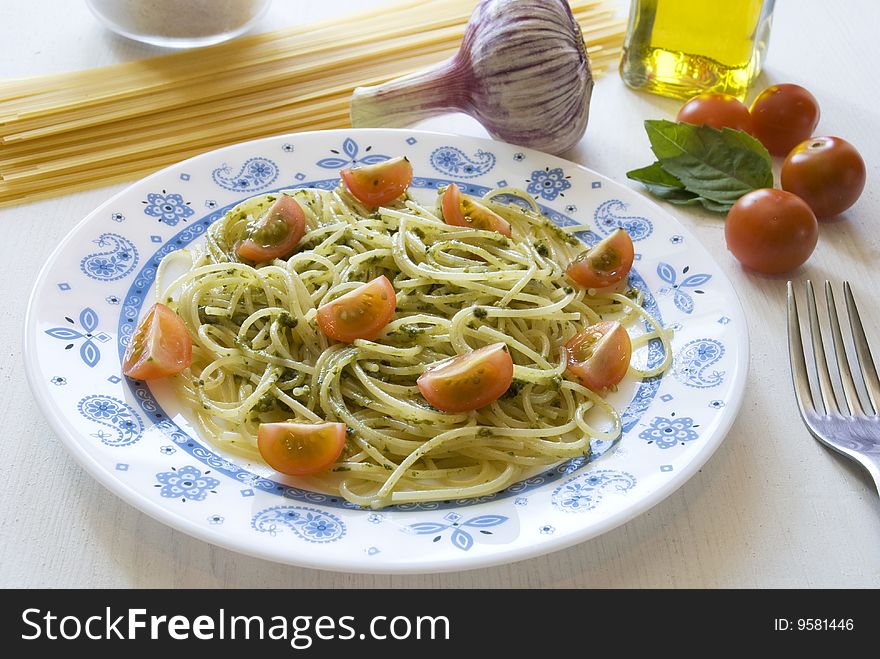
(682, 48)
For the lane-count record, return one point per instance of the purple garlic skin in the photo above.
(522, 71)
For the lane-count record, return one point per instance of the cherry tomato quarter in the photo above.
(275, 234)
(605, 263)
(469, 381)
(464, 211)
(716, 110)
(300, 449)
(826, 172)
(783, 116)
(379, 184)
(598, 357)
(359, 314)
(160, 346)
(771, 231)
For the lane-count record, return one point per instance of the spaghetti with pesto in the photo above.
(259, 356)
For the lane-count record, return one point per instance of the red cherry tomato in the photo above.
(826, 172)
(300, 449)
(379, 184)
(463, 211)
(275, 234)
(771, 231)
(160, 346)
(605, 263)
(360, 314)
(598, 357)
(469, 381)
(783, 116)
(716, 110)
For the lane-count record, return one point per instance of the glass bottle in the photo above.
(681, 48)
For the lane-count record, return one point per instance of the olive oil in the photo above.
(682, 48)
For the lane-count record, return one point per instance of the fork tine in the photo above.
(846, 378)
(825, 387)
(863, 351)
(796, 355)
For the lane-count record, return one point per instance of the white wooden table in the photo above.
(771, 508)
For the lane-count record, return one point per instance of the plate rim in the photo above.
(503, 556)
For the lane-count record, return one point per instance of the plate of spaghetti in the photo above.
(386, 350)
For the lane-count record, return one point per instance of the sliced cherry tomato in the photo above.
(826, 172)
(469, 381)
(275, 234)
(598, 357)
(361, 314)
(783, 116)
(771, 231)
(605, 263)
(463, 211)
(160, 346)
(379, 184)
(716, 110)
(299, 449)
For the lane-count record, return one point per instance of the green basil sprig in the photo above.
(703, 165)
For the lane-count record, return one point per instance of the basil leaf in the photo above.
(662, 184)
(718, 165)
(655, 175)
(708, 204)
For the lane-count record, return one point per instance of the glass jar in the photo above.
(681, 48)
(179, 23)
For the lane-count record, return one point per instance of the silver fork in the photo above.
(846, 425)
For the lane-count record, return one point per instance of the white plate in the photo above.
(91, 292)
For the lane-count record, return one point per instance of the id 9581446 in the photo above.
(813, 624)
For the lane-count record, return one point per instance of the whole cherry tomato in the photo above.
(716, 110)
(826, 172)
(771, 231)
(783, 116)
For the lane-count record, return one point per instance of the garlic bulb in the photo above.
(522, 71)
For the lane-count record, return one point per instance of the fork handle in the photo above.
(872, 464)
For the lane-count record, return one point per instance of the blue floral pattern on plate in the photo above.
(548, 183)
(118, 259)
(666, 433)
(113, 413)
(186, 483)
(310, 524)
(454, 162)
(608, 217)
(88, 351)
(692, 362)
(462, 531)
(168, 208)
(254, 174)
(681, 298)
(585, 491)
(350, 149)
